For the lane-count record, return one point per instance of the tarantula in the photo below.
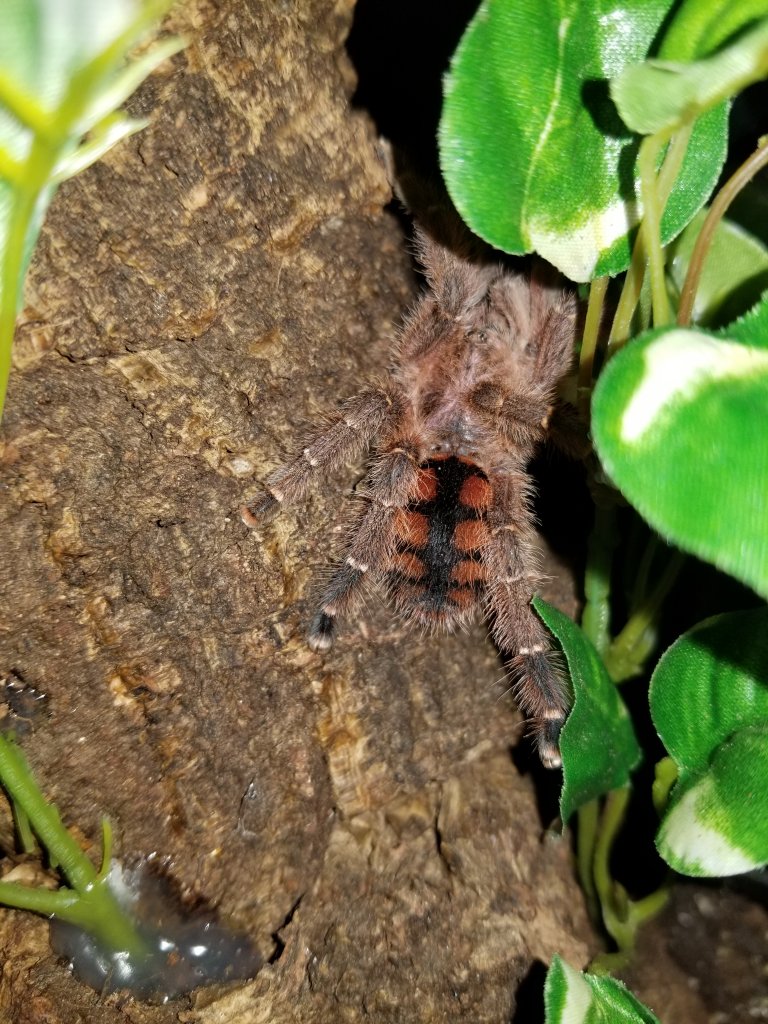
(445, 523)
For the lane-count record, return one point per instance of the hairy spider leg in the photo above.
(524, 417)
(555, 331)
(524, 414)
(521, 637)
(357, 422)
(391, 487)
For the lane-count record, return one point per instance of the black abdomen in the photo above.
(437, 571)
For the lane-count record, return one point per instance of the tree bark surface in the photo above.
(198, 300)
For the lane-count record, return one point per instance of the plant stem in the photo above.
(97, 912)
(665, 776)
(653, 207)
(22, 107)
(609, 963)
(629, 298)
(30, 178)
(626, 655)
(596, 617)
(20, 785)
(633, 282)
(597, 290)
(27, 841)
(755, 162)
(39, 901)
(90, 904)
(640, 589)
(649, 906)
(10, 169)
(609, 892)
(586, 836)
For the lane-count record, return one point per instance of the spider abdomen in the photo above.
(437, 574)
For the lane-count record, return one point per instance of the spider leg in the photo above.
(540, 322)
(553, 315)
(357, 422)
(541, 312)
(391, 486)
(511, 563)
(521, 417)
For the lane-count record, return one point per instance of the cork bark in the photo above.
(197, 300)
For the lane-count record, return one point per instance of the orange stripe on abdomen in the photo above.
(467, 571)
(462, 597)
(412, 528)
(470, 535)
(426, 485)
(476, 493)
(408, 565)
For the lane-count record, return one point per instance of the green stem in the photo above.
(755, 162)
(653, 207)
(640, 589)
(612, 897)
(27, 841)
(609, 963)
(673, 163)
(39, 901)
(626, 655)
(641, 911)
(586, 836)
(665, 776)
(597, 290)
(629, 298)
(596, 617)
(20, 785)
(97, 912)
(23, 107)
(10, 170)
(90, 904)
(633, 281)
(13, 260)
(52, 130)
(638, 913)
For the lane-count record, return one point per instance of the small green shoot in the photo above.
(88, 902)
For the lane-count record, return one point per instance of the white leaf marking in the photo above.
(694, 845)
(677, 365)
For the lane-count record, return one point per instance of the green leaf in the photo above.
(709, 703)
(678, 420)
(597, 744)
(752, 328)
(699, 28)
(711, 682)
(658, 95)
(571, 997)
(717, 822)
(527, 110)
(735, 271)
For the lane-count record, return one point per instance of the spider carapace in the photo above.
(445, 523)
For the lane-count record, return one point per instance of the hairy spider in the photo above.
(445, 523)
